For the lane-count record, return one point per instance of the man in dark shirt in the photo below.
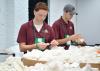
(64, 28)
(36, 33)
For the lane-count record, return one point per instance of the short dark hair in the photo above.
(41, 5)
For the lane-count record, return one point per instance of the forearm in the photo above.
(63, 41)
(24, 47)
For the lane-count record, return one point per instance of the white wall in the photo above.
(6, 25)
(6, 22)
(13, 13)
(21, 15)
(9, 23)
(2, 23)
(88, 20)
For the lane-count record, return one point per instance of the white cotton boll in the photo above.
(82, 40)
(27, 55)
(55, 66)
(33, 70)
(88, 54)
(87, 46)
(36, 50)
(97, 47)
(61, 48)
(57, 48)
(53, 53)
(34, 54)
(90, 49)
(17, 66)
(73, 47)
(67, 65)
(12, 64)
(43, 59)
(75, 65)
(47, 55)
(95, 69)
(40, 67)
(74, 55)
(28, 68)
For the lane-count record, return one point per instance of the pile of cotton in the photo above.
(81, 55)
(12, 64)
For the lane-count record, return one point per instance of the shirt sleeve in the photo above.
(22, 34)
(56, 30)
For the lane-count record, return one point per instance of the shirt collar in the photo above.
(63, 22)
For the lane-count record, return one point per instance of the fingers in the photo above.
(75, 37)
(78, 39)
(54, 43)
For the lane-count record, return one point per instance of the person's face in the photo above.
(68, 15)
(40, 15)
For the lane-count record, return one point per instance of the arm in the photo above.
(57, 33)
(22, 39)
(24, 47)
(63, 41)
(60, 30)
(71, 38)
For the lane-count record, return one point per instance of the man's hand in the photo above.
(78, 39)
(75, 37)
(54, 43)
